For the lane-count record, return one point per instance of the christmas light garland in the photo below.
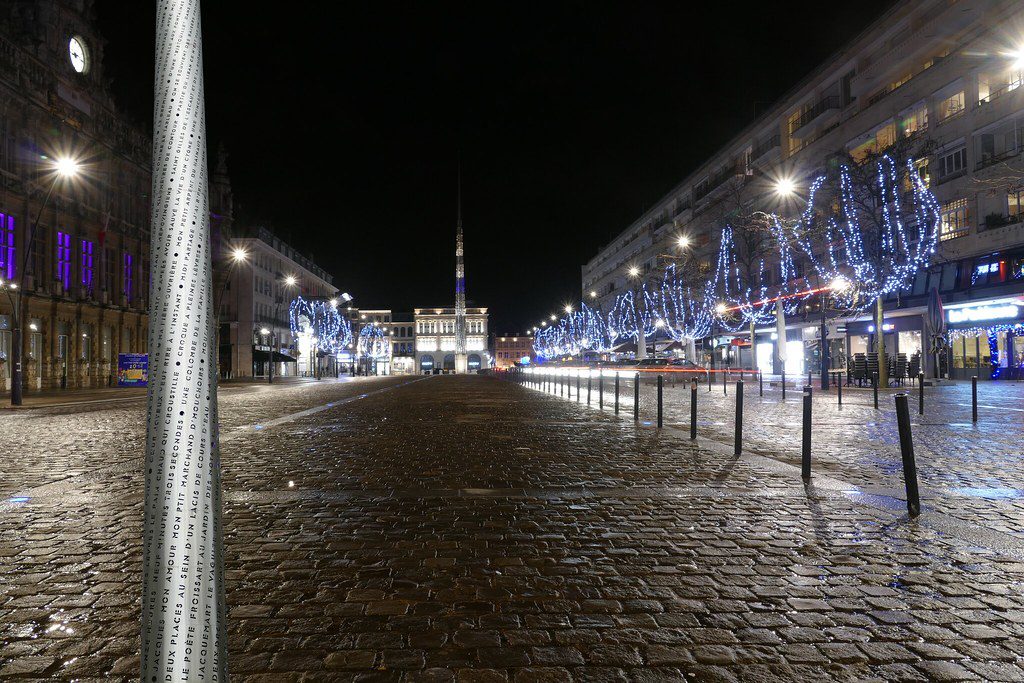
(373, 342)
(331, 331)
(872, 260)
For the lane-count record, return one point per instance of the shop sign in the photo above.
(132, 369)
(984, 313)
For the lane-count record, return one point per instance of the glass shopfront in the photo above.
(986, 339)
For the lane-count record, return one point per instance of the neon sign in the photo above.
(983, 313)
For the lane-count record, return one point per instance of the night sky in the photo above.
(344, 123)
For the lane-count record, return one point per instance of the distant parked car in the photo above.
(653, 363)
(699, 372)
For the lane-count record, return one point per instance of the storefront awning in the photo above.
(264, 356)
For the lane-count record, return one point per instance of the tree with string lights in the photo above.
(873, 222)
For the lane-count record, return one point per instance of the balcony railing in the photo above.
(996, 94)
(819, 108)
(992, 159)
(764, 147)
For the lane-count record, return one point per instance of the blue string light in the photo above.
(874, 257)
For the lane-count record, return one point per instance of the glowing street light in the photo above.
(1018, 58)
(721, 308)
(785, 187)
(659, 323)
(568, 308)
(264, 331)
(634, 271)
(553, 316)
(66, 167)
(593, 294)
(334, 303)
(290, 280)
(840, 284)
(238, 254)
(683, 241)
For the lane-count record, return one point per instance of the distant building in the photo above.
(263, 279)
(509, 349)
(381, 317)
(436, 339)
(403, 344)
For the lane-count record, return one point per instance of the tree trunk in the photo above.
(883, 365)
(753, 347)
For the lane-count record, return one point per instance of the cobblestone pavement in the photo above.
(970, 471)
(470, 529)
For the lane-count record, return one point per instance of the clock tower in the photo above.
(63, 35)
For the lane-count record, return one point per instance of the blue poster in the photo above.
(132, 369)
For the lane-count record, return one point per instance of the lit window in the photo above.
(64, 259)
(128, 276)
(1015, 204)
(913, 121)
(87, 265)
(954, 220)
(7, 255)
(951, 106)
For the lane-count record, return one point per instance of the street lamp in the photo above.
(568, 308)
(65, 167)
(785, 187)
(289, 281)
(683, 242)
(838, 285)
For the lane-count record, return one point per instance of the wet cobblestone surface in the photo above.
(971, 471)
(470, 529)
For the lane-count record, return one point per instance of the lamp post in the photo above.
(63, 168)
(289, 281)
(838, 285)
(237, 256)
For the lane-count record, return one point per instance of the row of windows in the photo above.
(64, 259)
(448, 327)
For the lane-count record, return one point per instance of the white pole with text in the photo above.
(183, 612)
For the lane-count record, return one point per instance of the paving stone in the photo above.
(524, 538)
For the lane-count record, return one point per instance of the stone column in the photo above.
(183, 611)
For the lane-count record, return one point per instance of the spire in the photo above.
(460, 283)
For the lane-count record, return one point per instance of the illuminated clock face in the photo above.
(79, 54)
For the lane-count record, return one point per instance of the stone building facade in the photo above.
(82, 276)
(946, 73)
(84, 280)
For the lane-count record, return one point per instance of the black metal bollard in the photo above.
(589, 378)
(839, 388)
(805, 450)
(907, 451)
(693, 408)
(760, 383)
(974, 399)
(661, 382)
(920, 393)
(578, 386)
(809, 378)
(636, 397)
(738, 447)
(616, 393)
(874, 387)
(600, 389)
(783, 383)
(725, 382)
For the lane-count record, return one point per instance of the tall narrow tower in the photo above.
(461, 360)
